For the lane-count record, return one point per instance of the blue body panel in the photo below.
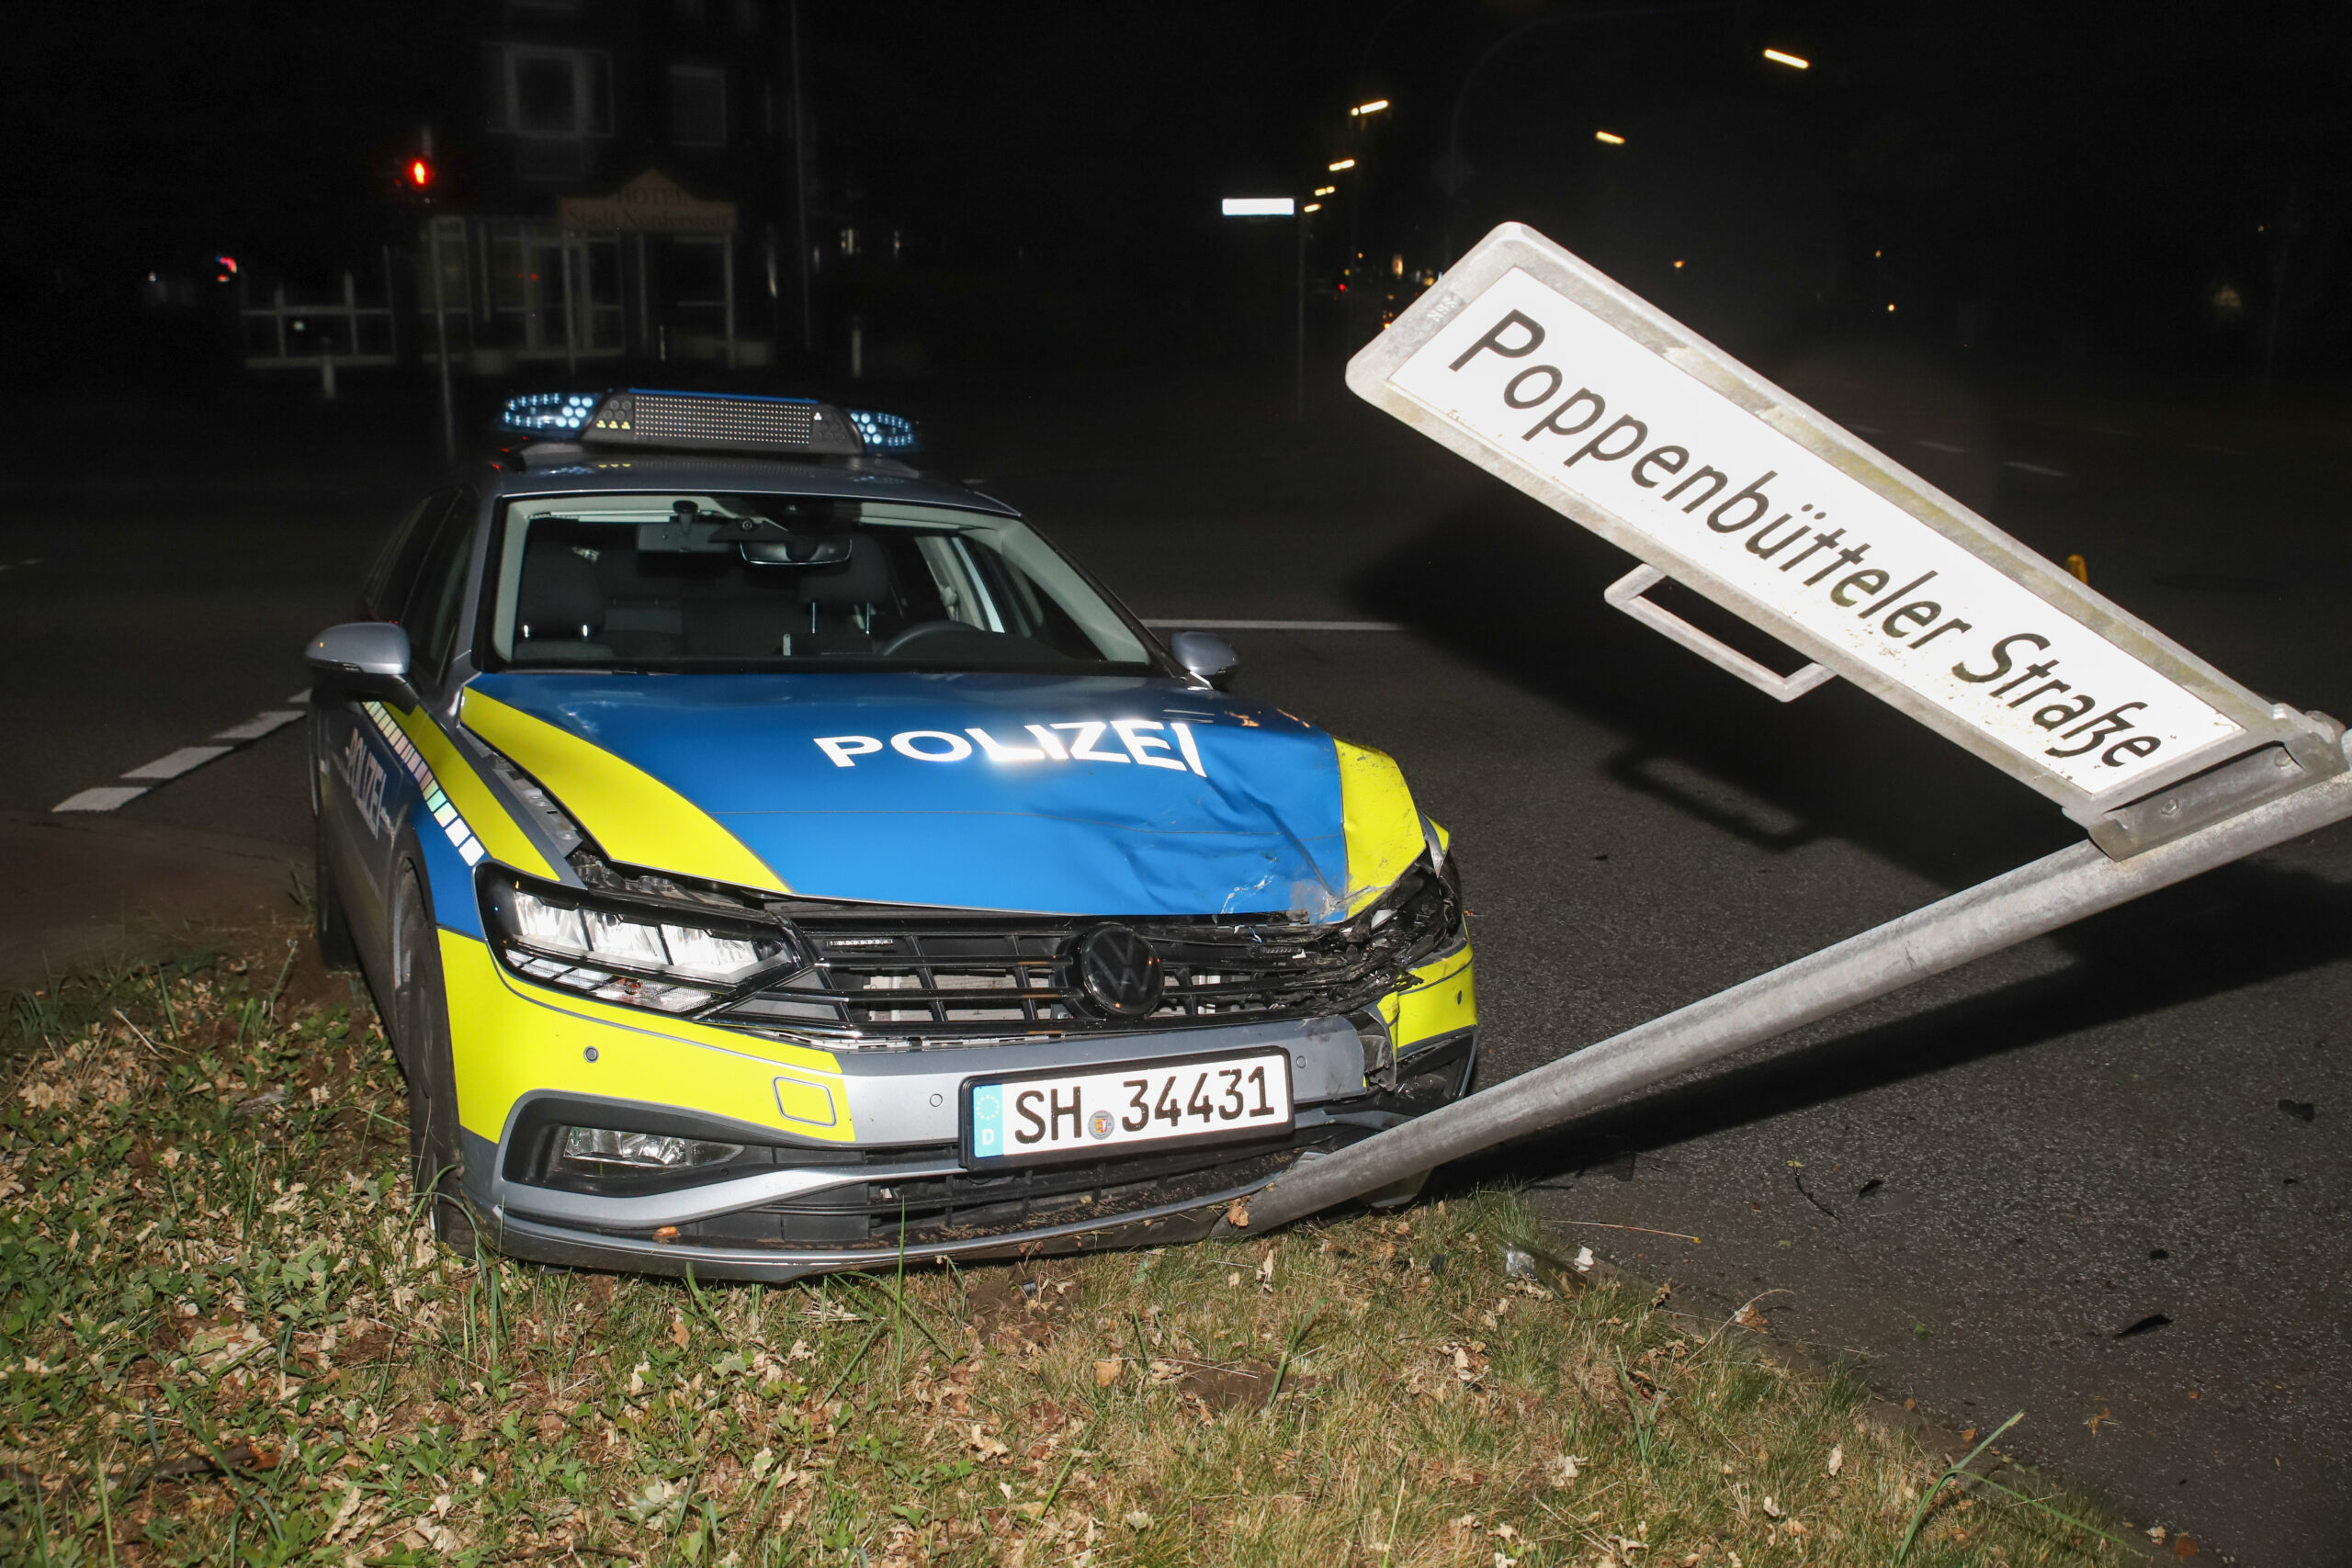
(1135, 829)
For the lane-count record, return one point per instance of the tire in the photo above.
(337, 948)
(421, 1040)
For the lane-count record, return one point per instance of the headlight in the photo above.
(1421, 914)
(639, 953)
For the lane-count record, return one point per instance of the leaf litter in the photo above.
(223, 1329)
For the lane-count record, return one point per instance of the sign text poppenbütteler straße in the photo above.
(1541, 380)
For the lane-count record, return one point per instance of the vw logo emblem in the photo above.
(1118, 971)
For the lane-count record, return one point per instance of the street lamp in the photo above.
(1373, 107)
(1793, 62)
(1285, 207)
(1609, 137)
(1343, 165)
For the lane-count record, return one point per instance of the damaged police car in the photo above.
(771, 859)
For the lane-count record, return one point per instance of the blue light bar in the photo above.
(549, 414)
(886, 432)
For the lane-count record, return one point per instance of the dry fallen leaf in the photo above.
(1106, 1372)
(1836, 1459)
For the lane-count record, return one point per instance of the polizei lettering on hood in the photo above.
(1567, 396)
(1131, 741)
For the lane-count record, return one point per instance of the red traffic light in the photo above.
(420, 173)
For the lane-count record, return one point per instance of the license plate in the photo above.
(1143, 1105)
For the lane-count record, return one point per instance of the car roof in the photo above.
(567, 470)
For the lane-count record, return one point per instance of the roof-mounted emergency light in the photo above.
(709, 421)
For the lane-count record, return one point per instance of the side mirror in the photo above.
(362, 657)
(1206, 655)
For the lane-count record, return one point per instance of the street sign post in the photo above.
(1545, 372)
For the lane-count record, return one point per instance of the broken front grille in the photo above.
(976, 978)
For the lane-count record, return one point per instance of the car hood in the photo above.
(945, 789)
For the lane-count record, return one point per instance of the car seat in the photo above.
(562, 609)
(826, 609)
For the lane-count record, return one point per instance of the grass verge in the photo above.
(227, 1339)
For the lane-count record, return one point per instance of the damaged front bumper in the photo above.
(812, 1116)
(792, 1201)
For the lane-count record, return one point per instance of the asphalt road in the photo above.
(2102, 1179)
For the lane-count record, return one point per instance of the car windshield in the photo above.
(715, 580)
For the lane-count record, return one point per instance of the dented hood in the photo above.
(1109, 795)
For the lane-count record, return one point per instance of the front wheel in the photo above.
(421, 1040)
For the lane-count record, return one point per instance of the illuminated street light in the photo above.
(1794, 63)
(1610, 137)
(1312, 207)
(1678, 266)
(1327, 190)
(1373, 107)
(1260, 206)
(1343, 165)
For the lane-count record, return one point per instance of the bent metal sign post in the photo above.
(1528, 362)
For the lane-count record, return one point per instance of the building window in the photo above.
(697, 105)
(747, 16)
(565, 92)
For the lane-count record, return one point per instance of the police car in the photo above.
(770, 859)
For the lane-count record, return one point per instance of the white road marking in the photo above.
(1279, 625)
(2035, 469)
(1941, 446)
(104, 798)
(186, 760)
(261, 724)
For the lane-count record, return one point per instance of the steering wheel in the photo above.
(919, 631)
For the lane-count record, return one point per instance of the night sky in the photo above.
(2104, 185)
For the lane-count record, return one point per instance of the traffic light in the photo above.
(420, 175)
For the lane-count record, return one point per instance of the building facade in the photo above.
(611, 180)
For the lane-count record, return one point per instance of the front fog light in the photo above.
(606, 1148)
